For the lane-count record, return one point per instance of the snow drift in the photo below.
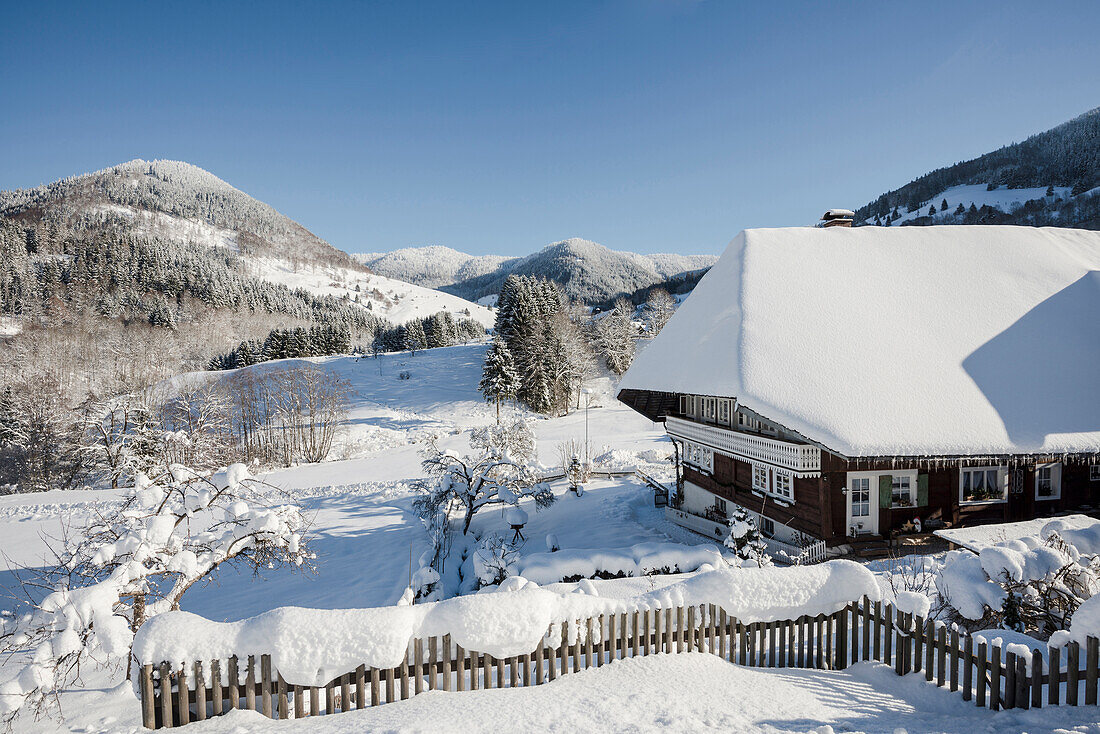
(312, 646)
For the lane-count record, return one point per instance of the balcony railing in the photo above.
(798, 457)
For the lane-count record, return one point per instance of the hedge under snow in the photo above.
(642, 559)
(313, 646)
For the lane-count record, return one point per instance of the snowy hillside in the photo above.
(394, 300)
(1050, 180)
(587, 271)
(978, 196)
(431, 266)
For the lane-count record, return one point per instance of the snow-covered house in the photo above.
(840, 382)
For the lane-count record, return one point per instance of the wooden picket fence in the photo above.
(864, 630)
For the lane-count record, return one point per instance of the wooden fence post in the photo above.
(1009, 699)
(841, 656)
(941, 655)
(1054, 681)
(968, 668)
(1022, 687)
(233, 676)
(983, 664)
(889, 630)
(265, 685)
(995, 678)
(918, 640)
(1036, 679)
(1092, 669)
(953, 657)
(200, 693)
(216, 686)
(148, 712)
(250, 685)
(183, 693)
(1073, 662)
(166, 696)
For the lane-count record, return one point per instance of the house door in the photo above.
(862, 506)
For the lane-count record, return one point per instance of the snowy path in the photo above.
(668, 693)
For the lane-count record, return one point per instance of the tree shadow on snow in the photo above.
(1042, 374)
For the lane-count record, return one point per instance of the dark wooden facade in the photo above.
(820, 507)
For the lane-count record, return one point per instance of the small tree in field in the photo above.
(499, 379)
(170, 533)
(498, 474)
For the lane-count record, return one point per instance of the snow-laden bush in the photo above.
(1033, 584)
(170, 533)
(745, 539)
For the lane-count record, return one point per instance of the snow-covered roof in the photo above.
(838, 213)
(917, 340)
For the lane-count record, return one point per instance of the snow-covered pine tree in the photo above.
(499, 379)
(745, 539)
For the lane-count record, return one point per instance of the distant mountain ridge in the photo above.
(589, 272)
(1050, 179)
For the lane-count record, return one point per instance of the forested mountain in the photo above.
(587, 271)
(172, 200)
(156, 267)
(1050, 179)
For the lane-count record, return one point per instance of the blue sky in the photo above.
(654, 126)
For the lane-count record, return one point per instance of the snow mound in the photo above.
(639, 560)
(794, 322)
(313, 646)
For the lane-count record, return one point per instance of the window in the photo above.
(767, 527)
(1094, 472)
(708, 408)
(861, 497)
(1048, 481)
(901, 494)
(724, 412)
(760, 477)
(783, 484)
(982, 484)
(720, 505)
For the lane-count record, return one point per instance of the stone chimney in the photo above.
(837, 218)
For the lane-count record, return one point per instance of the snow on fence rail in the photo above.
(830, 639)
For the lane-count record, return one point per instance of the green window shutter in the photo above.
(885, 490)
(922, 490)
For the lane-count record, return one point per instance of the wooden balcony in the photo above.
(800, 458)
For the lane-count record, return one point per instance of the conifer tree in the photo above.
(499, 379)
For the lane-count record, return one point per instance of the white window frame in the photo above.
(1055, 475)
(759, 470)
(1094, 472)
(911, 486)
(1002, 482)
(721, 505)
(767, 527)
(783, 484)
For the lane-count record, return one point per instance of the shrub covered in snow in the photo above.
(170, 533)
(745, 538)
(643, 559)
(499, 474)
(1033, 584)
